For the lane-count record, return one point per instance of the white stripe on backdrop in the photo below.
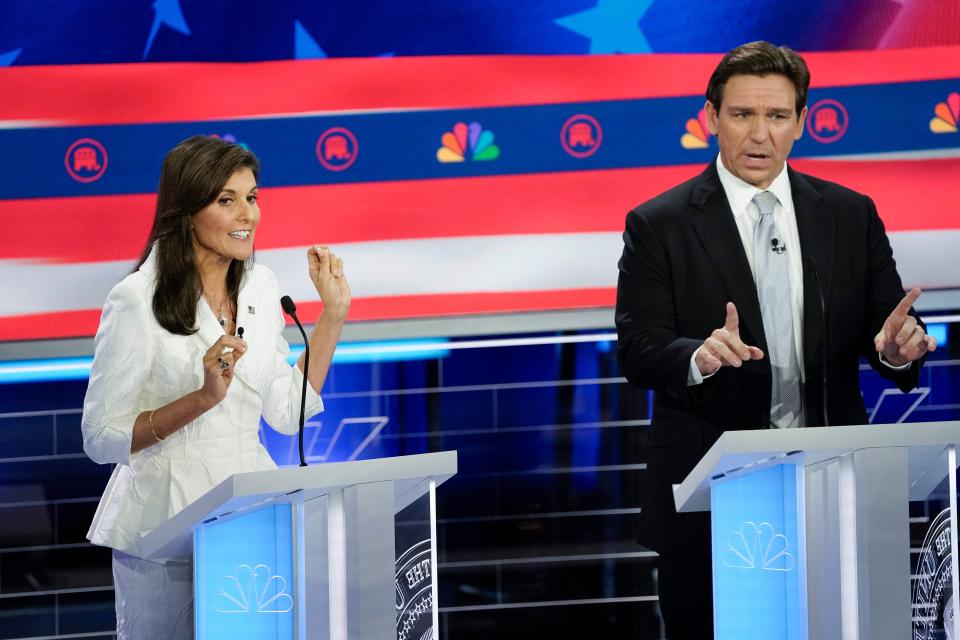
(471, 264)
(535, 262)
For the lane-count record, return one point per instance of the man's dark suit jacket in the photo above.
(683, 260)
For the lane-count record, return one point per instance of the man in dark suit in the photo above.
(745, 295)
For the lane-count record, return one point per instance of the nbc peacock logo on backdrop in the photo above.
(946, 115)
(229, 137)
(696, 134)
(467, 142)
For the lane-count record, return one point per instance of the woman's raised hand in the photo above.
(326, 273)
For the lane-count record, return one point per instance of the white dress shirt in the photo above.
(139, 366)
(745, 213)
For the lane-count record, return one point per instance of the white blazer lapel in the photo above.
(247, 317)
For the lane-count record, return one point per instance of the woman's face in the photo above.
(226, 227)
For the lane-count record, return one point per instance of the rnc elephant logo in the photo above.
(581, 135)
(337, 149)
(86, 160)
(827, 121)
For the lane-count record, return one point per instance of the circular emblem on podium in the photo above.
(415, 593)
(933, 596)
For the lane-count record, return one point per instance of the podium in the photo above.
(326, 552)
(811, 531)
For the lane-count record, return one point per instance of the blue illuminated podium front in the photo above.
(310, 553)
(758, 554)
(810, 528)
(244, 575)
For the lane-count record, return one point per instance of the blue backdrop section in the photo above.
(551, 445)
(244, 576)
(403, 145)
(758, 562)
(59, 32)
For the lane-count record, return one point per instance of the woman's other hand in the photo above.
(326, 273)
(218, 364)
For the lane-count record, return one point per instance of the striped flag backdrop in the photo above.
(450, 184)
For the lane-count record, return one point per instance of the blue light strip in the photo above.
(45, 370)
(62, 369)
(384, 351)
(55, 369)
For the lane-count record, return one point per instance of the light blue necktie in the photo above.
(772, 275)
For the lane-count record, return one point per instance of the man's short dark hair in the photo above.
(760, 58)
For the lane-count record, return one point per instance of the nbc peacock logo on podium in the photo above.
(253, 590)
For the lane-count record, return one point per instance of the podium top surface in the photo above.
(739, 451)
(243, 492)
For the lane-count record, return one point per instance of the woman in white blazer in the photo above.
(188, 356)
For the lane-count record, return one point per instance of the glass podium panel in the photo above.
(415, 575)
(352, 561)
(243, 574)
(932, 543)
(313, 567)
(758, 555)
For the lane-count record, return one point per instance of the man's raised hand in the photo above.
(902, 340)
(724, 348)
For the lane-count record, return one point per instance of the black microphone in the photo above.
(812, 267)
(291, 310)
(777, 247)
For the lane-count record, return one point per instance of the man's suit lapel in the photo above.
(817, 240)
(721, 241)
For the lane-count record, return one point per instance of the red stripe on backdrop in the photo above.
(72, 324)
(77, 229)
(170, 92)
(908, 193)
(102, 228)
(62, 324)
(422, 306)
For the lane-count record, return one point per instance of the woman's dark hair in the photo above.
(760, 59)
(193, 175)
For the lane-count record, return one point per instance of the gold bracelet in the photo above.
(153, 429)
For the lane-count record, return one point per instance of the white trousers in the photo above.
(154, 601)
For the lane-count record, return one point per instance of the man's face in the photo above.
(756, 126)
